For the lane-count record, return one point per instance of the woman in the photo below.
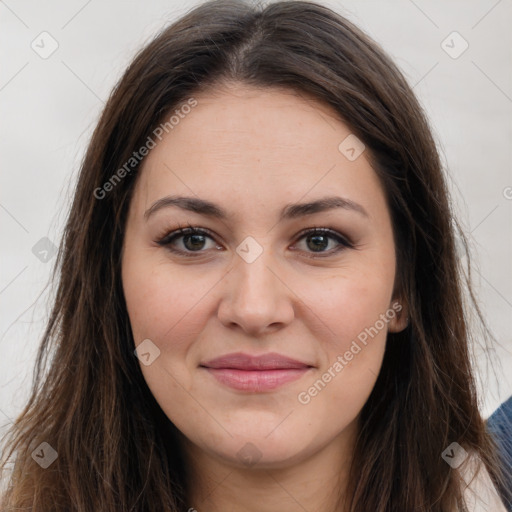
(260, 305)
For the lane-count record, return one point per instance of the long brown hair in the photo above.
(116, 448)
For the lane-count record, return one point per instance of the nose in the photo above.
(256, 297)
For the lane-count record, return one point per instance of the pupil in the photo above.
(197, 239)
(322, 245)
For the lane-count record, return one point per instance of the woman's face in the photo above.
(316, 307)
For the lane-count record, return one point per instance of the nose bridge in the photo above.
(255, 283)
(256, 298)
(254, 275)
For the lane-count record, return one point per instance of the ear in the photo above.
(399, 315)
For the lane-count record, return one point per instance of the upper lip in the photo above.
(241, 361)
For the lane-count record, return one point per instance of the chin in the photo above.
(260, 452)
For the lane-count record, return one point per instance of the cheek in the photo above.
(164, 302)
(165, 305)
(348, 305)
(352, 310)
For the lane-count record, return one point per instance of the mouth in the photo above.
(266, 372)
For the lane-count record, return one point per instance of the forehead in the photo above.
(260, 118)
(274, 144)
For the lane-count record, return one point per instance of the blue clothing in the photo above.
(499, 425)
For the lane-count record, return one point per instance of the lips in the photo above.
(255, 373)
(270, 361)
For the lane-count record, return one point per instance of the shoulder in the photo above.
(479, 491)
(499, 425)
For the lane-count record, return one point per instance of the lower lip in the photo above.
(256, 380)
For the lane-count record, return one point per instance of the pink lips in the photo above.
(255, 373)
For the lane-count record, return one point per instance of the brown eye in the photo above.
(318, 240)
(192, 240)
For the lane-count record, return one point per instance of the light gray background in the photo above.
(48, 108)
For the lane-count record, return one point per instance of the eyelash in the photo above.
(169, 238)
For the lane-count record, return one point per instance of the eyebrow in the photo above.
(290, 211)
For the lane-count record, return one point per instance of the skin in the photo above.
(252, 152)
